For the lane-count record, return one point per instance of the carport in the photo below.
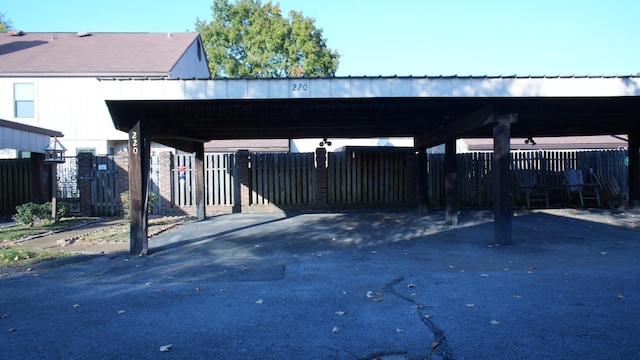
(433, 110)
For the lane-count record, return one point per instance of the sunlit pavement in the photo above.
(387, 285)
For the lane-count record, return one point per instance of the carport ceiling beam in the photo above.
(455, 128)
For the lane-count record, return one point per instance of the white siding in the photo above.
(22, 140)
(73, 106)
(193, 64)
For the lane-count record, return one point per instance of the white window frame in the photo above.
(23, 96)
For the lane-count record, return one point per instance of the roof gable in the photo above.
(98, 54)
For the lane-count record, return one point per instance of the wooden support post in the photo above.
(633, 172)
(200, 181)
(243, 176)
(501, 178)
(54, 191)
(423, 193)
(139, 154)
(451, 182)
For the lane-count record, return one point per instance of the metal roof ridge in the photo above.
(390, 77)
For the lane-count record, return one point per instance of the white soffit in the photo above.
(365, 87)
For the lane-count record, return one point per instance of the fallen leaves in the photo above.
(371, 295)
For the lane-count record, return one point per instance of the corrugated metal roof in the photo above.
(98, 54)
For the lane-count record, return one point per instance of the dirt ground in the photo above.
(90, 239)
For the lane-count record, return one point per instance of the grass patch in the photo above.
(17, 232)
(17, 256)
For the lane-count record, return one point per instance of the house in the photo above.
(23, 174)
(54, 80)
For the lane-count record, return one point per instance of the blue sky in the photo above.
(403, 37)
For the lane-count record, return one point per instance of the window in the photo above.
(23, 98)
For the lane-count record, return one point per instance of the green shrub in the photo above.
(125, 198)
(29, 213)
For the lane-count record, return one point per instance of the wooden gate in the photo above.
(283, 179)
(104, 187)
(366, 178)
(221, 187)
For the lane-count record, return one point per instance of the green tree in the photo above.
(5, 23)
(249, 39)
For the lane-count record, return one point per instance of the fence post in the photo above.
(85, 174)
(321, 177)
(242, 164)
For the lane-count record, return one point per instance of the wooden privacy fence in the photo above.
(283, 179)
(220, 185)
(547, 167)
(366, 178)
(15, 184)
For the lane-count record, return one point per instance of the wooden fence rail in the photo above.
(15, 184)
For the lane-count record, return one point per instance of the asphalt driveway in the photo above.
(386, 285)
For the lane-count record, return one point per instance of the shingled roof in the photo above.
(98, 54)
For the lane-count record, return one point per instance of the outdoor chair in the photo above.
(612, 192)
(530, 191)
(576, 187)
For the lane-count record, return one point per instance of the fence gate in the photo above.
(104, 187)
(67, 181)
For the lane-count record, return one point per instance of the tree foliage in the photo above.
(5, 23)
(249, 39)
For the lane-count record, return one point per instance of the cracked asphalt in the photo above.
(362, 285)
